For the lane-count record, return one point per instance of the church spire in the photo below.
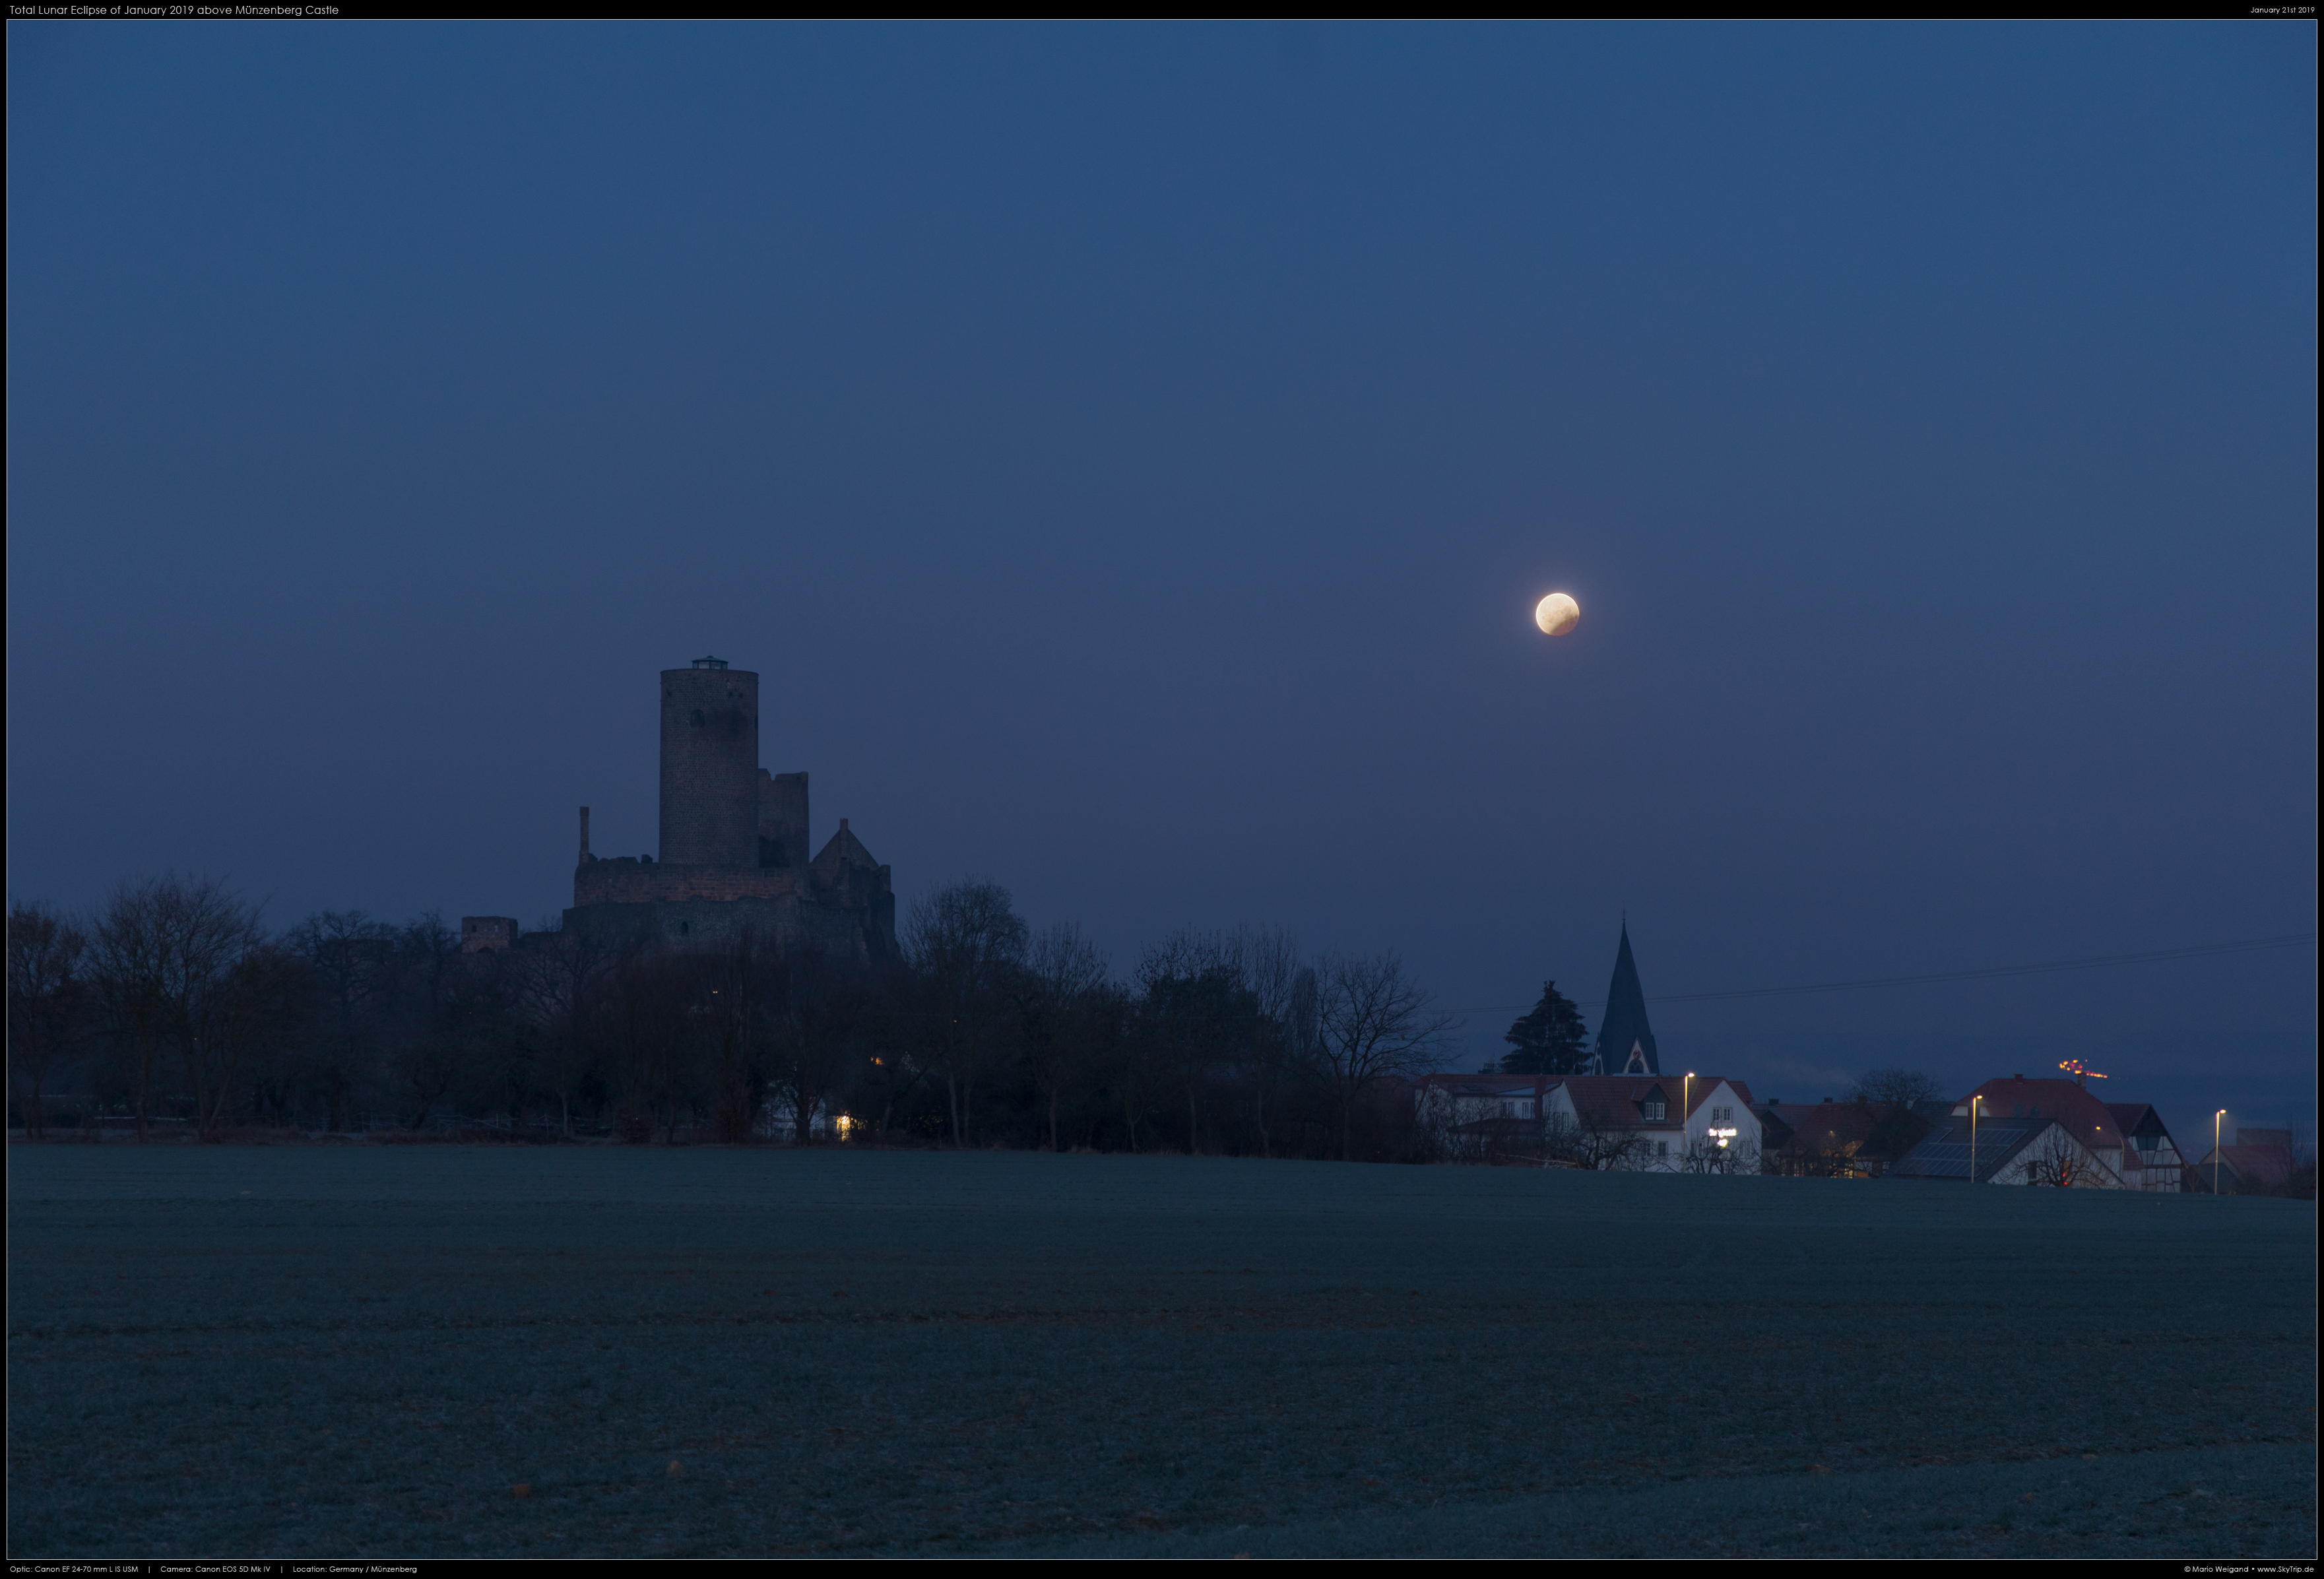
(1626, 1042)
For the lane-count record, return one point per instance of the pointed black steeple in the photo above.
(1626, 1042)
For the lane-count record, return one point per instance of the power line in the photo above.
(2200, 951)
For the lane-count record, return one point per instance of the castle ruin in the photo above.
(733, 845)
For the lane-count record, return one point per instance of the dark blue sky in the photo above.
(1130, 455)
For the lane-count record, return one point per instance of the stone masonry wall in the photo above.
(630, 881)
(710, 767)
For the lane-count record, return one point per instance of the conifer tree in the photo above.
(1550, 1039)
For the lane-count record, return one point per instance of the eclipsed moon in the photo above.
(1557, 614)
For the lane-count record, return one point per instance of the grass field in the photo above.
(242, 1351)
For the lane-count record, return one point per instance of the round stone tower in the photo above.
(710, 765)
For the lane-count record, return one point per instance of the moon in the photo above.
(1557, 614)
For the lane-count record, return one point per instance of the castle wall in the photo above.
(865, 935)
(630, 881)
(486, 934)
(782, 819)
(709, 766)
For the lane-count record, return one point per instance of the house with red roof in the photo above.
(1694, 1123)
(2256, 1161)
(2048, 1132)
(1836, 1139)
(1670, 1123)
(2153, 1162)
(1484, 1117)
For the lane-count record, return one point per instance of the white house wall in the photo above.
(1740, 1118)
(1697, 1131)
(1558, 1107)
(2012, 1172)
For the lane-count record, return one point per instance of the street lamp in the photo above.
(1972, 1136)
(2215, 1149)
(1685, 1110)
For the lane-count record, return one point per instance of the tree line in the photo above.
(172, 1009)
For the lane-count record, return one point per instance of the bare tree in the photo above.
(962, 940)
(1824, 1151)
(652, 1019)
(821, 1008)
(1056, 990)
(1706, 1155)
(430, 1013)
(741, 987)
(1273, 976)
(175, 964)
(2058, 1160)
(562, 975)
(46, 990)
(1135, 1081)
(1894, 1088)
(893, 1037)
(211, 1008)
(1193, 1010)
(350, 960)
(1459, 1129)
(253, 1017)
(458, 1030)
(126, 971)
(1373, 1023)
(1560, 1142)
(501, 1057)
(1591, 1139)
(1893, 1097)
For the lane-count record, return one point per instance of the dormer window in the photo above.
(1653, 1109)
